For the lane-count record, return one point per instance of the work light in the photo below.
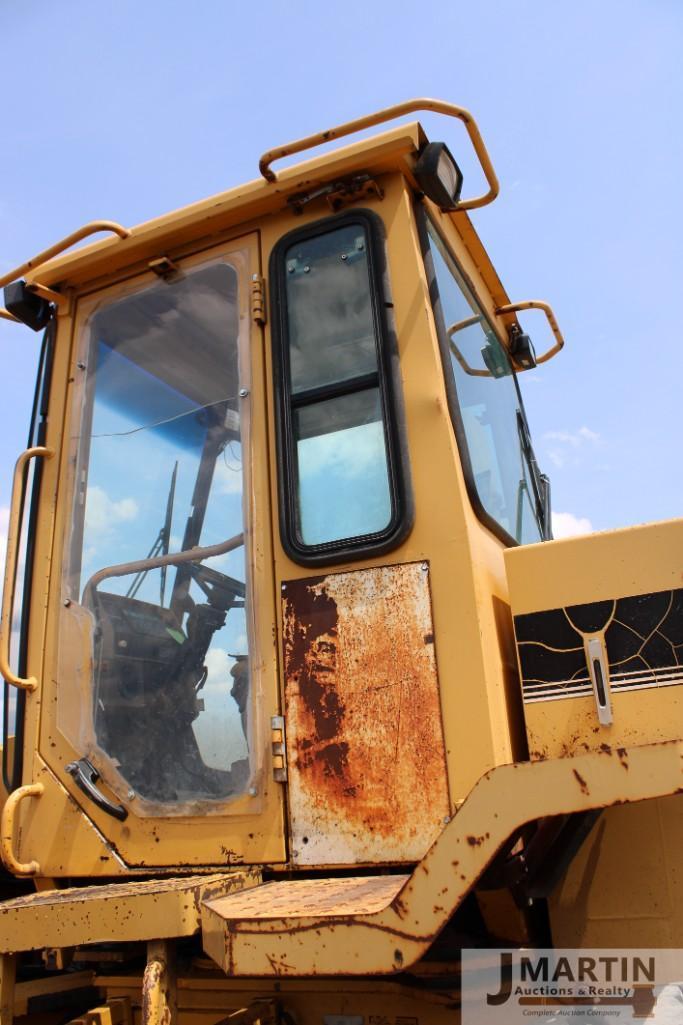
(27, 307)
(439, 176)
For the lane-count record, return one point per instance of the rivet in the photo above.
(80, 365)
(244, 392)
(67, 602)
(253, 791)
(446, 819)
(307, 270)
(343, 256)
(130, 795)
(425, 567)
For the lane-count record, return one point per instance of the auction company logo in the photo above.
(621, 986)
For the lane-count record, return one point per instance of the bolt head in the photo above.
(244, 392)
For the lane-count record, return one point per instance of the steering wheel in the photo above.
(222, 591)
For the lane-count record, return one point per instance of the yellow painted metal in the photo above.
(131, 911)
(6, 315)
(116, 1011)
(538, 304)
(395, 937)
(8, 971)
(633, 850)
(159, 1006)
(13, 532)
(322, 931)
(381, 117)
(65, 243)
(205, 997)
(49, 294)
(8, 830)
(476, 661)
(251, 827)
(599, 567)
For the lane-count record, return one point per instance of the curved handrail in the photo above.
(388, 114)
(13, 530)
(17, 868)
(65, 243)
(124, 569)
(460, 325)
(538, 304)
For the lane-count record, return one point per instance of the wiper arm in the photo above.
(540, 481)
(166, 531)
(161, 544)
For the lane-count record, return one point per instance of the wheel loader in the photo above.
(301, 698)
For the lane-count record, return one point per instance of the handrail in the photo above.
(6, 315)
(460, 325)
(13, 531)
(17, 868)
(76, 236)
(538, 304)
(124, 569)
(388, 114)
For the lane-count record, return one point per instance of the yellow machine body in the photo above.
(398, 742)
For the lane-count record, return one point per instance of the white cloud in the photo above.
(573, 438)
(568, 525)
(102, 513)
(564, 447)
(227, 477)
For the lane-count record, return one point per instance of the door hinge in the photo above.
(258, 299)
(279, 748)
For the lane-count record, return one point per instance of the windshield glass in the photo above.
(160, 472)
(489, 403)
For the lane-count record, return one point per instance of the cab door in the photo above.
(160, 676)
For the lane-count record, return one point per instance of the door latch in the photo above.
(279, 748)
(85, 776)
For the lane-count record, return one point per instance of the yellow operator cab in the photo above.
(297, 676)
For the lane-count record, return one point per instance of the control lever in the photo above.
(85, 777)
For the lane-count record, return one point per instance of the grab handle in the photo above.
(388, 114)
(65, 243)
(17, 868)
(13, 531)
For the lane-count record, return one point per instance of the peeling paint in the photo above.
(362, 703)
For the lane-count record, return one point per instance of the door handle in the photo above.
(85, 776)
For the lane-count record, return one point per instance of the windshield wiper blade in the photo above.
(161, 543)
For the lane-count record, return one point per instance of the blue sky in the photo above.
(127, 110)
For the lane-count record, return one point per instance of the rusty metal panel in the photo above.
(364, 735)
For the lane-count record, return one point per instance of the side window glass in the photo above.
(489, 404)
(337, 450)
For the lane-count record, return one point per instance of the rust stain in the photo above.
(581, 781)
(622, 754)
(367, 765)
